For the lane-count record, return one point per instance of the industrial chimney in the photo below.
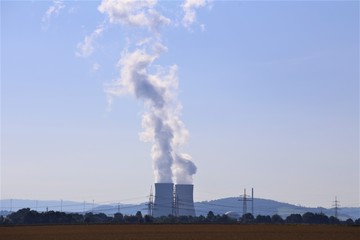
(184, 199)
(164, 195)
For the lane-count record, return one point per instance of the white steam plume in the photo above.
(161, 121)
(156, 86)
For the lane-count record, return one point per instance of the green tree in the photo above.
(247, 218)
(118, 218)
(210, 217)
(148, 219)
(19, 216)
(294, 218)
(262, 219)
(349, 221)
(277, 219)
(139, 216)
(308, 217)
(334, 220)
(131, 219)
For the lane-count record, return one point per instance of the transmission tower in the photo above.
(246, 198)
(336, 206)
(150, 204)
(175, 207)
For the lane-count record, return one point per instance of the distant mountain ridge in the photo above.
(218, 206)
(269, 207)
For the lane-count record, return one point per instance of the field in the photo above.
(173, 232)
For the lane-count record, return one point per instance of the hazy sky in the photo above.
(269, 90)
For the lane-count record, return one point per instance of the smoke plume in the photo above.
(154, 85)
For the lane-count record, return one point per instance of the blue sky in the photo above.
(269, 90)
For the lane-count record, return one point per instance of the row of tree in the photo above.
(27, 216)
(306, 218)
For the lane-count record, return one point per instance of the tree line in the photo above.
(28, 216)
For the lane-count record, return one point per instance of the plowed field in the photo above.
(174, 232)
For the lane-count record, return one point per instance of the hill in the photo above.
(219, 206)
(269, 207)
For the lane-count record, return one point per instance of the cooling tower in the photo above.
(164, 195)
(184, 199)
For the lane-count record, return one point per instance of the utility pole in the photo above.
(118, 208)
(92, 210)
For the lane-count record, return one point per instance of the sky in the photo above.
(268, 92)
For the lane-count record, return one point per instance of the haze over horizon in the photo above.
(268, 91)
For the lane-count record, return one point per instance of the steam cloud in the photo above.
(156, 86)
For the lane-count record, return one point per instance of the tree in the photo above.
(183, 219)
(139, 216)
(131, 219)
(118, 218)
(308, 217)
(247, 218)
(294, 218)
(262, 219)
(349, 221)
(210, 217)
(201, 219)
(321, 218)
(96, 218)
(315, 218)
(148, 219)
(334, 220)
(224, 219)
(19, 216)
(32, 217)
(277, 219)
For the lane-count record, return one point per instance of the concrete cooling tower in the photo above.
(184, 199)
(164, 196)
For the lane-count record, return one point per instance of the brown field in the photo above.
(173, 232)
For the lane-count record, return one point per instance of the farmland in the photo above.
(179, 231)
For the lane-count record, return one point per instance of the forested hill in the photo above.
(219, 206)
(269, 207)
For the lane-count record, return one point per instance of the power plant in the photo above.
(173, 199)
(164, 199)
(184, 200)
